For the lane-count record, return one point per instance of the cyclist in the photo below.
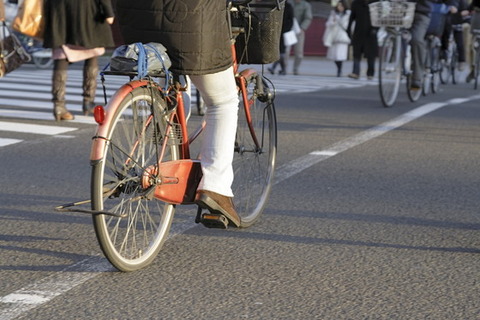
(418, 30)
(196, 35)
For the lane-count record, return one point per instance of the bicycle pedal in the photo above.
(212, 220)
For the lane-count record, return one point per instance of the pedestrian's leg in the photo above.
(370, 66)
(59, 83)
(298, 50)
(283, 70)
(90, 72)
(339, 68)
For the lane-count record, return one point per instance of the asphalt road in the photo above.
(374, 215)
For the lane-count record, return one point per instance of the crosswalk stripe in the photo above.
(5, 142)
(33, 128)
(34, 115)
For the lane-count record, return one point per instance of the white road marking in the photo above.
(33, 128)
(5, 142)
(43, 291)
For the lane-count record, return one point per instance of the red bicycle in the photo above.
(142, 163)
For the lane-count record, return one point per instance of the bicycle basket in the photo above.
(392, 13)
(262, 22)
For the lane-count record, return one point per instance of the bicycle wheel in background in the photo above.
(389, 70)
(445, 68)
(477, 64)
(427, 82)
(254, 165)
(454, 65)
(42, 58)
(413, 94)
(123, 181)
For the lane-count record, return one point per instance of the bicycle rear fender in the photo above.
(99, 140)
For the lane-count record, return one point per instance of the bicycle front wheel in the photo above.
(121, 181)
(389, 70)
(255, 150)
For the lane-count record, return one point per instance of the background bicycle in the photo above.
(394, 18)
(41, 57)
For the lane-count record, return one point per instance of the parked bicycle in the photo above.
(394, 18)
(143, 164)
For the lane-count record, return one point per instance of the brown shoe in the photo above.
(218, 204)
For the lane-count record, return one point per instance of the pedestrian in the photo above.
(364, 38)
(200, 48)
(286, 26)
(336, 37)
(76, 31)
(303, 13)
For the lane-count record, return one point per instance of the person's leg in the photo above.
(219, 92)
(90, 73)
(419, 49)
(357, 57)
(59, 83)
(458, 37)
(298, 51)
(339, 68)
(370, 66)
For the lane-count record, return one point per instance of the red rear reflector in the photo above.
(99, 114)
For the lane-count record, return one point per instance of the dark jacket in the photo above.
(78, 22)
(364, 38)
(195, 32)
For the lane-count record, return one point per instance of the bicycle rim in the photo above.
(413, 94)
(135, 136)
(445, 71)
(435, 82)
(389, 71)
(254, 167)
(477, 66)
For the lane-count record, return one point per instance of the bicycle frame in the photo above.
(179, 178)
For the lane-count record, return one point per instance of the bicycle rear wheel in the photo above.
(477, 65)
(454, 65)
(254, 164)
(389, 70)
(135, 137)
(445, 68)
(413, 94)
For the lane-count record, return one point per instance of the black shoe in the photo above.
(271, 70)
(282, 72)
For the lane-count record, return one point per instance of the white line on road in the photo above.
(5, 142)
(46, 289)
(33, 128)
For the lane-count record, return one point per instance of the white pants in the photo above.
(219, 91)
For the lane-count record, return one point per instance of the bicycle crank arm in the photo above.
(67, 208)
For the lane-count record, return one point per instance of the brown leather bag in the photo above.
(12, 54)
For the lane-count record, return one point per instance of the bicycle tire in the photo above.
(477, 66)
(427, 82)
(254, 167)
(445, 70)
(135, 135)
(389, 70)
(435, 82)
(42, 62)
(413, 94)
